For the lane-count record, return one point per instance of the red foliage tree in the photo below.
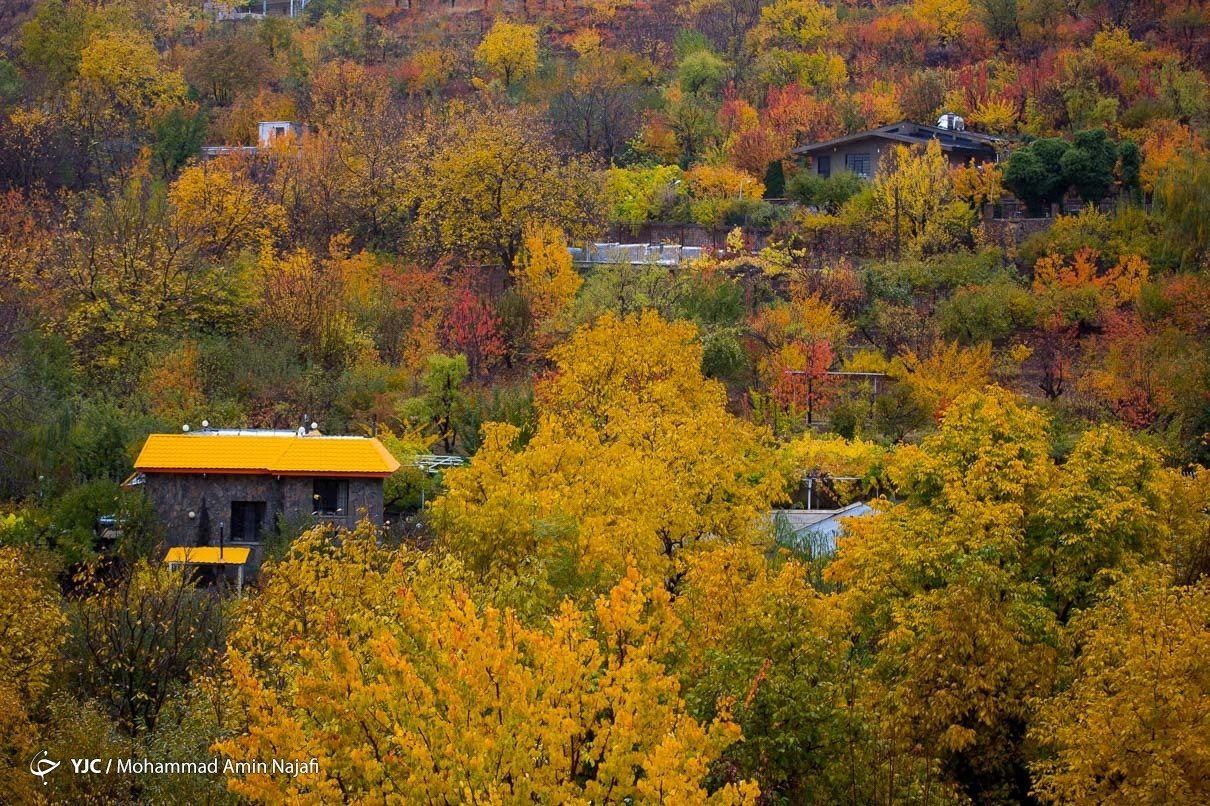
(802, 376)
(473, 329)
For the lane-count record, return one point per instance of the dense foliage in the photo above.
(1009, 361)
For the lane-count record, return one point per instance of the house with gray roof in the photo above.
(860, 153)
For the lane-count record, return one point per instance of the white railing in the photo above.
(432, 463)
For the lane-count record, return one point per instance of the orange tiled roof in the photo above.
(265, 453)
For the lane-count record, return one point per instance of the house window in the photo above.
(331, 496)
(247, 520)
(279, 131)
(823, 166)
(858, 164)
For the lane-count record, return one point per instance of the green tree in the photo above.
(1182, 195)
(1088, 164)
(179, 135)
(443, 405)
(1035, 176)
(1130, 165)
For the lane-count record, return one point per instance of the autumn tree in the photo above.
(118, 92)
(602, 102)
(945, 17)
(126, 268)
(726, 21)
(790, 41)
(798, 341)
(936, 379)
(915, 200)
(311, 297)
(547, 279)
(760, 637)
(968, 581)
(31, 630)
(225, 66)
(140, 636)
(635, 459)
(472, 329)
(487, 175)
(713, 190)
(218, 206)
(31, 621)
(509, 51)
(1183, 202)
(353, 175)
(1129, 725)
(964, 492)
(405, 688)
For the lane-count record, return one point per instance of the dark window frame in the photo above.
(823, 165)
(330, 497)
(859, 163)
(240, 511)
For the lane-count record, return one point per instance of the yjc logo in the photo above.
(42, 766)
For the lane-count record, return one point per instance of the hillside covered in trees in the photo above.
(1010, 362)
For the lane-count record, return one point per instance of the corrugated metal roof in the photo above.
(265, 453)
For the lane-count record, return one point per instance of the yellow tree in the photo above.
(127, 269)
(353, 174)
(1131, 726)
(1104, 510)
(407, 691)
(712, 188)
(30, 625)
(546, 277)
(965, 585)
(485, 176)
(941, 583)
(31, 631)
(946, 17)
(121, 87)
(635, 459)
(914, 194)
(222, 209)
(797, 24)
(509, 51)
(936, 380)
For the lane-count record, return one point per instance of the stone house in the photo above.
(860, 153)
(225, 488)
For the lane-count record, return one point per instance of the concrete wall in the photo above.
(175, 495)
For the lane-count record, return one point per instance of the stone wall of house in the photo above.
(287, 499)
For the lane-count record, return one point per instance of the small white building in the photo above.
(271, 130)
